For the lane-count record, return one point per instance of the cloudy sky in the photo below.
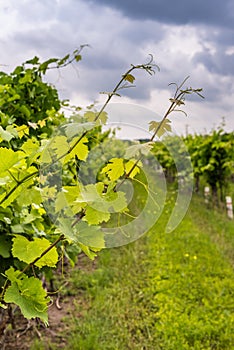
(194, 38)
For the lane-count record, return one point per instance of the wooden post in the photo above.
(229, 207)
(207, 194)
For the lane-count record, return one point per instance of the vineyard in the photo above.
(83, 217)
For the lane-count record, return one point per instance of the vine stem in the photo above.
(178, 98)
(148, 67)
(126, 176)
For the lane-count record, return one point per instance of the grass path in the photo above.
(166, 291)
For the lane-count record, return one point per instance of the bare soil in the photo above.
(21, 334)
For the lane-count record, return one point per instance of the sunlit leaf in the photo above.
(8, 158)
(114, 169)
(30, 196)
(60, 145)
(160, 127)
(22, 130)
(94, 217)
(32, 149)
(60, 202)
(80, 149)
(129, 166)
(129, 77)
(27, 251)
(41, 123)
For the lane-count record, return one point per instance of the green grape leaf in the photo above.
(92, 117)
(29, 295)
(66, 228)
(88, 251)
(46, 156)
(32, 149)
(13, 193)
(90, 193)
(34, 60)
(63, 60)
(80, 150)
(71, 194)
(60, 202)
(60, 145)
(12, 130)
(78, 58)
(102, 117)
(30, 146)
(17, 228)
(129, 77)
(30, 196)
(138, 149)
(50, 258)
(114, 169)
(161, 127)
(90, 236)
(102, 202)
(82, 233)
(117, 201)
(22, 130)
(25, 109)
(41, 123)
(128, 167)
(76, 129)
(48, 193)
(44, 66)
(27, 251)
(12, 275)
(13, 190)
(9, 158)
(94, 217)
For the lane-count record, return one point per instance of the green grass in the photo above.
(164, 292)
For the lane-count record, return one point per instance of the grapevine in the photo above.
(44, 208)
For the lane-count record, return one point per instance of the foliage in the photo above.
(45, 210)
(161, 292)
(212, 156)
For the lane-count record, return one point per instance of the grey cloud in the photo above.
(180, 12)
(219, 63)
(117, 40)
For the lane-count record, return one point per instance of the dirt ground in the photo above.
(23, 332)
